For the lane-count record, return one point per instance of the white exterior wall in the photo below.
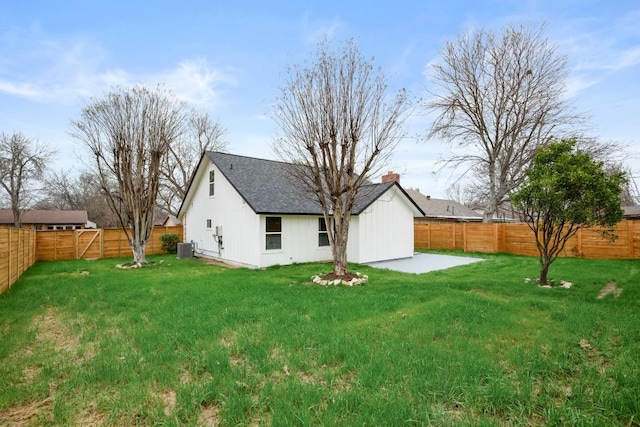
(353, 245)
(299, 241)
(240, 225)
(385, 229)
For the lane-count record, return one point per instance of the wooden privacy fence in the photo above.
(17, 254)
(518, 239)
(94, 243)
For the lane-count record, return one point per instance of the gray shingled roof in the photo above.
(268, 187)
(53, 216)
(442, 208)
(631, 211)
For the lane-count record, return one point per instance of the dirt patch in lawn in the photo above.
(609, 288)
(35, 413)
(90, 416)
(169, 399)
(210, 415)
(219, 263)
(52, 329)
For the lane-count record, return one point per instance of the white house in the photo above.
(251, 212)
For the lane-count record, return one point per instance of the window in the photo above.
(212, 179)
(208, 223)
(274, 232)
(323, 236)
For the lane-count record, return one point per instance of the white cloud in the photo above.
(577, 83)
(25, 90)
(626, 58)
(314, 31)
(196, 82)
(61, 71)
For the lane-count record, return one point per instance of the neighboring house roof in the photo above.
(269, 187)
(45, 217)
(631, 211)
(171, 220)
(442, 208)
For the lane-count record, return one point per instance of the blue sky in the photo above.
(230, 58)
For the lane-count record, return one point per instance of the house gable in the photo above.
(231, 225)
(442, 209)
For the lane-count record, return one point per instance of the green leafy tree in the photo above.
(567, 190)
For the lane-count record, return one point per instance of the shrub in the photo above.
(170, 242)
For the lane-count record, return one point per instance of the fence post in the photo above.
(630, 232)
(464, 237)
(10, 260)
(453, 236)
(579, 236)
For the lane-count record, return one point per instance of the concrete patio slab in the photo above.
(423, 263)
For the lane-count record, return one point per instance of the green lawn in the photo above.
(183, 342)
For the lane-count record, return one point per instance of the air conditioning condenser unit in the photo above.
(185, 250)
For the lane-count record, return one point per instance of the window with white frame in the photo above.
(273, 232)
(208, 223)
(323, 235)
(212, 180)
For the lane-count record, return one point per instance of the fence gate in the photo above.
(89, 243)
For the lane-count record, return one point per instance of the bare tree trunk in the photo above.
(544, 270)
(340, 241)
(17, 216)
(138, 248)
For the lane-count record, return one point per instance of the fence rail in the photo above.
(21, 248)
(98, 243)
(17, 254)
(518, 239)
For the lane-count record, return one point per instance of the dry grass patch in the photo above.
(609, 288)
(90, 416)
(210, 415)
(52, 329)
(169, 399)
(32, 414)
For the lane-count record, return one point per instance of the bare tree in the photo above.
(128, 132)
(464, 193)
(339, 124)
(499, 98)
(63, 190)
(201, 133)
(22, 165)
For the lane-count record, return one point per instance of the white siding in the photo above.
(226, 209)
(385, 229)
(353, 245)
(299, 241)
